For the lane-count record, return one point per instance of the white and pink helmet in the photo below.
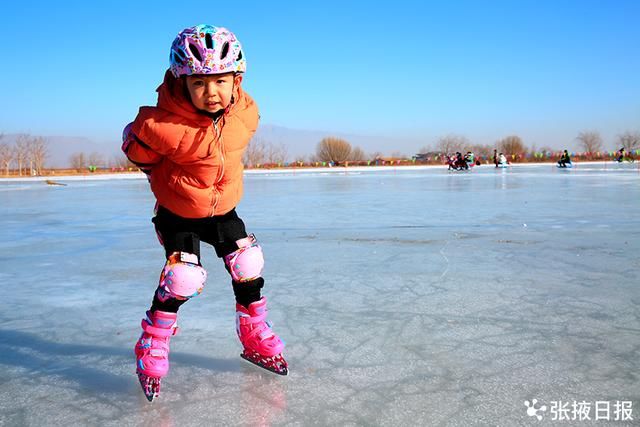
(205, 49)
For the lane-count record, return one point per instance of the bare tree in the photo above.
(357, 155)
(511, 144)
(276, 154)
(38, 153)
(398, 155)
(333, 150)
(591, 141)
(119, 161)
(96, 159)
(255, 152)
(451, 143)
(78, 161)
(261, 151)
(21, 151)
(6, 157)
(630, 141)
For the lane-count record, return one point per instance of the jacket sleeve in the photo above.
(139, 153)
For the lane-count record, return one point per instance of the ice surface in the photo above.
(405, 297)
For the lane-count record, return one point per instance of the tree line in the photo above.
(29, 153)
(262, 152)
(338, 151)
(80, 161)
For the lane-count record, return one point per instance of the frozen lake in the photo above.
(405, 297)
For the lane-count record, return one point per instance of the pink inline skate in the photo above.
(152, 350)
(261, 346)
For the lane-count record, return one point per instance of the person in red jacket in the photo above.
(190, 146)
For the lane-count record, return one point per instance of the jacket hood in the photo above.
(172, 97)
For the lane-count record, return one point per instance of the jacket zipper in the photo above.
(216, 197)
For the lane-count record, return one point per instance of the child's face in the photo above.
(212, 93)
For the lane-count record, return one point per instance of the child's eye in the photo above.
(198, 83)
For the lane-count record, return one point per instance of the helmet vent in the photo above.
(178, 55)
(194, 51)
(208, 41)
(225, 50)
(239, 56)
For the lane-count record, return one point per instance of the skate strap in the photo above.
(248, 320)
(159, 352)
(262, 330)
(158, 332)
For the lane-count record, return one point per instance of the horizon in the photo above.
(398, 78)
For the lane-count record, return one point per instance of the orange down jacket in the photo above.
(195, 163)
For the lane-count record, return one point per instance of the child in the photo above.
(191, 145)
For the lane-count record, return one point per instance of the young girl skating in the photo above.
(191, 145)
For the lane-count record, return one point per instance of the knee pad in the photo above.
(247, 262)
(182, 277)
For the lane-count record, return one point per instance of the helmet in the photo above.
(205, 49)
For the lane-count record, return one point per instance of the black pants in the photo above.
(180, 234)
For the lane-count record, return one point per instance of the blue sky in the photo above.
(544, 70)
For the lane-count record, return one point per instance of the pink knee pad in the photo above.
(247, 262)
(182, 277)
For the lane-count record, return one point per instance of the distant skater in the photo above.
(461, 164)
(191, 145)
(565, 160)
(495, 157)
(469, 158)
